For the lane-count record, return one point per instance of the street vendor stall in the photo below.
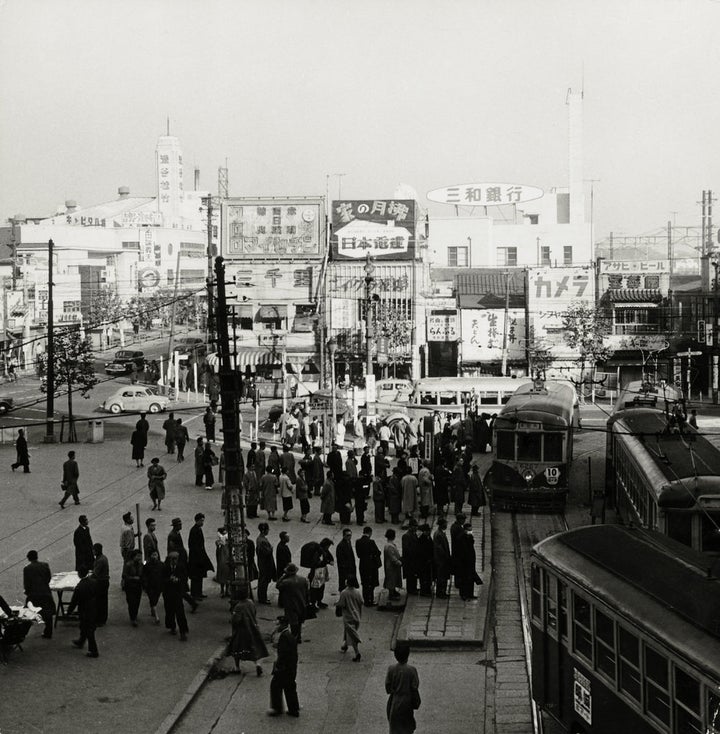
(60, 583)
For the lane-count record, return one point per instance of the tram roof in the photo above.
(656, 583)
(679, 457)
(557, 400)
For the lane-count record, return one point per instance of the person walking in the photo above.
(132, 584)
(181, 438)
(273, 461)
(36, 583)
(142, 423)
(284, 672)
(199, 562)
(209, 423)
(175, 544)
(286, 489)
(169, 426)
(369, 561)
(269, 485)
(402, 684)
(69, 484)
(127, 537)
(349, 606)
(23, 454)
(138, 441)
(246, 642)
(267, 571)
(152, 582)
(101, 574)
(199, 457)
(84, 599)
(251, 489)
(293, 597)
(209, 460)
(222, 562)
(150, 541)
(319, 574)
(174, 578)
(327, 499)
(302, 492)
(441, 559)
(83, 544)
(393, 565)
(345, 558)
(156, 475)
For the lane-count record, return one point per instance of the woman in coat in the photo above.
(476, 492)
(152, 582)
(402, 685)
(425, 485)
(209, 460)
(222, 561)
(246, 642)
(393, 565)
(269, 484)
(302, 492)
(156, 483)
(393, 490)
(349, 606)
(251, 488)
(138, 440)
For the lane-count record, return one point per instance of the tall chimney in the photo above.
(197, 178)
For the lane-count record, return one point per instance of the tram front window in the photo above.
(710, 532)
(679, 526)
(529, 446)
(553, 447)
(505, 445)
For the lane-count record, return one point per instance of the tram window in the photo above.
(582, 632)
(448, 398)
(550, 601)
(505, 445)
(605, 644)
(562, 601)
(629, 648)
(713, 712)
(535, 587)
(529, 446)
(657, 699)
(710, 532)
(679, 527)
(505, 397)
(553, 449)
(687, 703)
(489, 398)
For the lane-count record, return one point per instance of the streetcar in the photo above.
(664, 476)
(625, 633)
(533, 448)
(647, 394)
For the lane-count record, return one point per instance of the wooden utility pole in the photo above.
(230, 386)
(210, 289)
(50, 402)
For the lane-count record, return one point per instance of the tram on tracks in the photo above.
(649, 395)
(625, 633)
(533, 448)
(664, 476)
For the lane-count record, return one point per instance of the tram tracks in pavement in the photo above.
(527, 530)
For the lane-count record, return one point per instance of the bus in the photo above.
(533, 448)
(664, 476)
(460, 394)
(625, 634)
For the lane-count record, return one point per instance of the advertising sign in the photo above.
(482, 334)
(485, 194)
(551, 291)
(382, 228)
(442, 327)
(634, 266)
(295, 281)
(272, 227)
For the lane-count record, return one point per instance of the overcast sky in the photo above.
(421, 92)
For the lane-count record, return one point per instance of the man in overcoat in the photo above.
(370, 560)
(36, 582)
(199, 562)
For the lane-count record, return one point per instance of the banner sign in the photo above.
(272, 227)
(382, 228)
(485, 194)
(482, 334)
(442, 328)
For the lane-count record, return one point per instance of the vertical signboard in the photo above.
(483, 332)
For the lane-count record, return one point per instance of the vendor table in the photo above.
(60, 583)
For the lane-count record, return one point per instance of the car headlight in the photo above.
(528, 475)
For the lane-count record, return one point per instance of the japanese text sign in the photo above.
(485, 194)
(483, 330)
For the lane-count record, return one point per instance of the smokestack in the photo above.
(197, 178)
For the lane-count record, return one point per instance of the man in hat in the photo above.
(83, 544)
(335, 461)
(284, 672)
(71, 474)
(410, 557)
(85, 599)
(127, 537)
(199, 562)
(174, 579)
(345, 558)
(293, 598)
(370, 560)
(441, 559)
(425, 560)
(465, 574)
(175, 544)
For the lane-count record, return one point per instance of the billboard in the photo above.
(381, 228)
(272, 227)
(485, 194)
(482, 334)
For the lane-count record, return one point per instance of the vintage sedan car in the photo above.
(135, 398)
(123, 361)
(6, 405)
(190, 344)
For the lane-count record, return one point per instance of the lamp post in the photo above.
(332, 349)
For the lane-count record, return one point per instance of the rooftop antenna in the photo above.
(168, 125)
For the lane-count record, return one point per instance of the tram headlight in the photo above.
(528, 475)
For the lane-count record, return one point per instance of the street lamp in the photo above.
(332, 349)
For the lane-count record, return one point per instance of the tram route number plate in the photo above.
(582, 697)
(528, 426)
(552, 474)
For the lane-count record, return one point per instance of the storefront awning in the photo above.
(635, 296)
(272, 312)
(245, 311)
(254, 356)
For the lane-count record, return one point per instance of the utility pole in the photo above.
(230, 385)
(503, 367)
(210, 289)
(50, 402)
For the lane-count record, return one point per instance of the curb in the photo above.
(169, 722)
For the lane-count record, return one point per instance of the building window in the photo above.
(71, 306)
(458, 257)
(545, 255)
(534, 218)
(131, 245)
(567, 255)
(507, 256)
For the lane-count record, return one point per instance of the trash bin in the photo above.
(96, 431)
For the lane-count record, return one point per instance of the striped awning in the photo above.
(272, 312)
(254, 356)
(651, 296)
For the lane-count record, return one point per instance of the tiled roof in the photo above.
(487, 287)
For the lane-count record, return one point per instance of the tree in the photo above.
(585, 329)
(106, 309)
(74, 367)
(392, 323)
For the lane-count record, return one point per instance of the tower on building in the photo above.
(169, 171)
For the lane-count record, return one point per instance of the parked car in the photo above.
(189, 344)
(5, 405)
(135, 398)
(123, 361)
